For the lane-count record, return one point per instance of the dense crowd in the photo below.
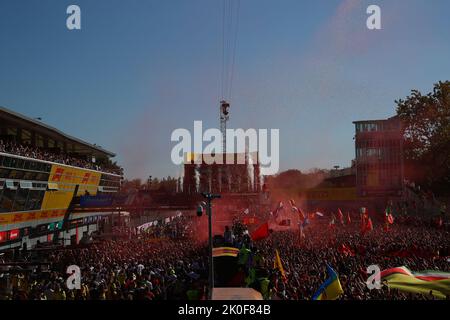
(140, 268)
(179, 227)
(304, 260)
(48, 155)
(164, 264)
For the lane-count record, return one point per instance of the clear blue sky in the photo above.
(139, 69)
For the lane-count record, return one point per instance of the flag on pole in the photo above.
(349, 220)
(340, 216)
(331, 289)
(277, 264)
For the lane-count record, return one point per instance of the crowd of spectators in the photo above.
(165, 264)
(414, 242)
(143, 268)
(179, 227)
(29, 151)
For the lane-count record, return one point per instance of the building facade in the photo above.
(379, 157)
(44, 174)
(241, 176)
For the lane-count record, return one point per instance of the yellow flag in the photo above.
(277, 263)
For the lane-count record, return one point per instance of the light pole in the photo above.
(209, 198)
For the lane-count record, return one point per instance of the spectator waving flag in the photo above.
(331, 289)
(277, 264)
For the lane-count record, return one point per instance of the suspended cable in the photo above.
(234, 48)
(230, 29)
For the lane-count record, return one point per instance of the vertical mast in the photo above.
(224, 116)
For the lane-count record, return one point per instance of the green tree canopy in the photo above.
(426, 127)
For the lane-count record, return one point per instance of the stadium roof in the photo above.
(394, 118)
(48, 130)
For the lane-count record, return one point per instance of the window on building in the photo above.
(7, 200)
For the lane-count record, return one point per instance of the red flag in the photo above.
(369, 225)
(343, 249)
(340, 216)
(390, 219)
(349, 221)
(261, 233)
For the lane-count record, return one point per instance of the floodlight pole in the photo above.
(209, 197)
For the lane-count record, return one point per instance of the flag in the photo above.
(349, 220)
(225, 252)
(366, 225)
(390, 219)
(369, 225)
(277, 210)
(340, 216)
(331, 289)
(294, 208)
(261, 233)
(343, 249)
(319, 214)
(278, 265)
(432, 282)
(301, 214)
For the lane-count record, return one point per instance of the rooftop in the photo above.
(45, 129)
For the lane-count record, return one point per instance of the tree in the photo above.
(426, 129)
(131, 185)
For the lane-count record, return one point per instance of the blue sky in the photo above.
(140, 69)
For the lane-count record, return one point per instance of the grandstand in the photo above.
(44, 174)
